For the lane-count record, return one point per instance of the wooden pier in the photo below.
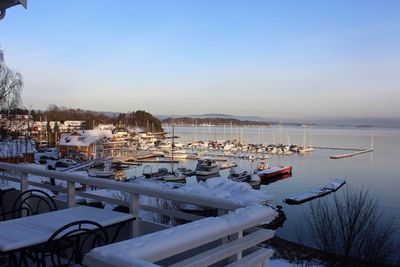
(348, 155)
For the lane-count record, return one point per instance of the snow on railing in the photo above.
(227, 226)
(226, 230)
(134, 191)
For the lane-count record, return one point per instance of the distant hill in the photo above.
(188, 121)
(321, 121)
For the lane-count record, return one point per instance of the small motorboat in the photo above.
(266, 172)
(238, 175)
(162, 174)
(206, 167)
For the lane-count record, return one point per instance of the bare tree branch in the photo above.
(353, 231)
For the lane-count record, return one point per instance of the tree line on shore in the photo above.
(139, 118)
(214, 121)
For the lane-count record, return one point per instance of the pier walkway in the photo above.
(348, 155)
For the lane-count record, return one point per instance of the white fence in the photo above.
(19, 173)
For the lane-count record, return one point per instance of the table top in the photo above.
(32, 230)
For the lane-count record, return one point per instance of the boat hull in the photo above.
(279, 172)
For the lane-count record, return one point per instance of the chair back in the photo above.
(32, 202)
(71, 242)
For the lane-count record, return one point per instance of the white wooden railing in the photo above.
(19, 173)
(219, 234)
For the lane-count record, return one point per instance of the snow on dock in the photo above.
(348, 155)
(335, 184)
(319, 192)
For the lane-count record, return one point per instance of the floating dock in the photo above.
(348, 155)
(333, 186)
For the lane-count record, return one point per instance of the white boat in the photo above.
(107, 172)
(227, 165)
(207, 167)
(162, 174)
(238, 175)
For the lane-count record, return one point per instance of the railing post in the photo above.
(24, 187)
(24, 182)
(71, 194)
(134, 210)
(239, 255)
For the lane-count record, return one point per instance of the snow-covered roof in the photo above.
(84, 137)
(76, 140)
(96, 133)
(105, 127)
(16, 148)
(136, 130)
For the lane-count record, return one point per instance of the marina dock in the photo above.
(157, 161)
(348, 155)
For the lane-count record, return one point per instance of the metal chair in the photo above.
(32, 202)
(70, 243)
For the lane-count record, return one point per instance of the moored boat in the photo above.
(238, 175)
(162, 174)
(266, 172)
(207, 167)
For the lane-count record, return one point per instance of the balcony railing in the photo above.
(230, 232)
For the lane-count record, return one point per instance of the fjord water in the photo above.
(377, 171)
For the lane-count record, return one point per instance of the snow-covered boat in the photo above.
(162, 174)
(107, 172)
(238, 175)
(207, 167)
(101, 173)
(266, 172)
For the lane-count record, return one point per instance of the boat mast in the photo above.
(172, 146)
(372, 140)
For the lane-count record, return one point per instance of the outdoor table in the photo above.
(29, 231)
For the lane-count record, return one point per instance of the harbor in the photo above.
(199, 133)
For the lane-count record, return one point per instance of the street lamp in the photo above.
(4, 4)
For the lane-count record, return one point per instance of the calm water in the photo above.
(377, 171)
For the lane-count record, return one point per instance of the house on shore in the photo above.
(84, 144)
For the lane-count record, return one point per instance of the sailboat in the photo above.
(305, 148)
(172, 175)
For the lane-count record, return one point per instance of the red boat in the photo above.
(270, 172)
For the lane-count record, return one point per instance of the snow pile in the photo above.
(221, 187)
